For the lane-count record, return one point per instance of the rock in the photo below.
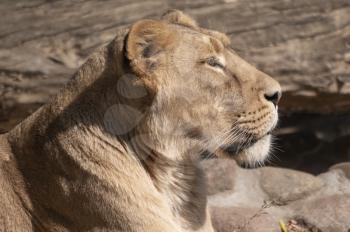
(329, 214)
(240, 219)
(345, 167)
(220, 175)
(335, 183)
(285, 185)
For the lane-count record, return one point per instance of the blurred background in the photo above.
(305, 45)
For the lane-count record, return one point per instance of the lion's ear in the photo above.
(146, 41)
(178, 17)
(220, 36)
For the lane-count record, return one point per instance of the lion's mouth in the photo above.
(230, 150)
(242, 151)
(235, 149)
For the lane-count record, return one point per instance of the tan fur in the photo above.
(118, 149)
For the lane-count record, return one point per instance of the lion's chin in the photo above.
(255, 154)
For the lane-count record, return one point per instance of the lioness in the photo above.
(118, 148)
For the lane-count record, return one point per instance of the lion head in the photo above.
(201, 94)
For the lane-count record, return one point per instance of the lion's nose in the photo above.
(273, 96)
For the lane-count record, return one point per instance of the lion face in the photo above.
(204, 94)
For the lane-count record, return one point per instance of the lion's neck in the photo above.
(175, 172)
(183, 185)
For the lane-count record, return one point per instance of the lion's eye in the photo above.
(214, 62)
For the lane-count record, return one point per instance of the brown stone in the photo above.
(345, 167)
(331, 213)
(240, 219)
(285, 185)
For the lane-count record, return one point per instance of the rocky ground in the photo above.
(256, 200)
(303, 44)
